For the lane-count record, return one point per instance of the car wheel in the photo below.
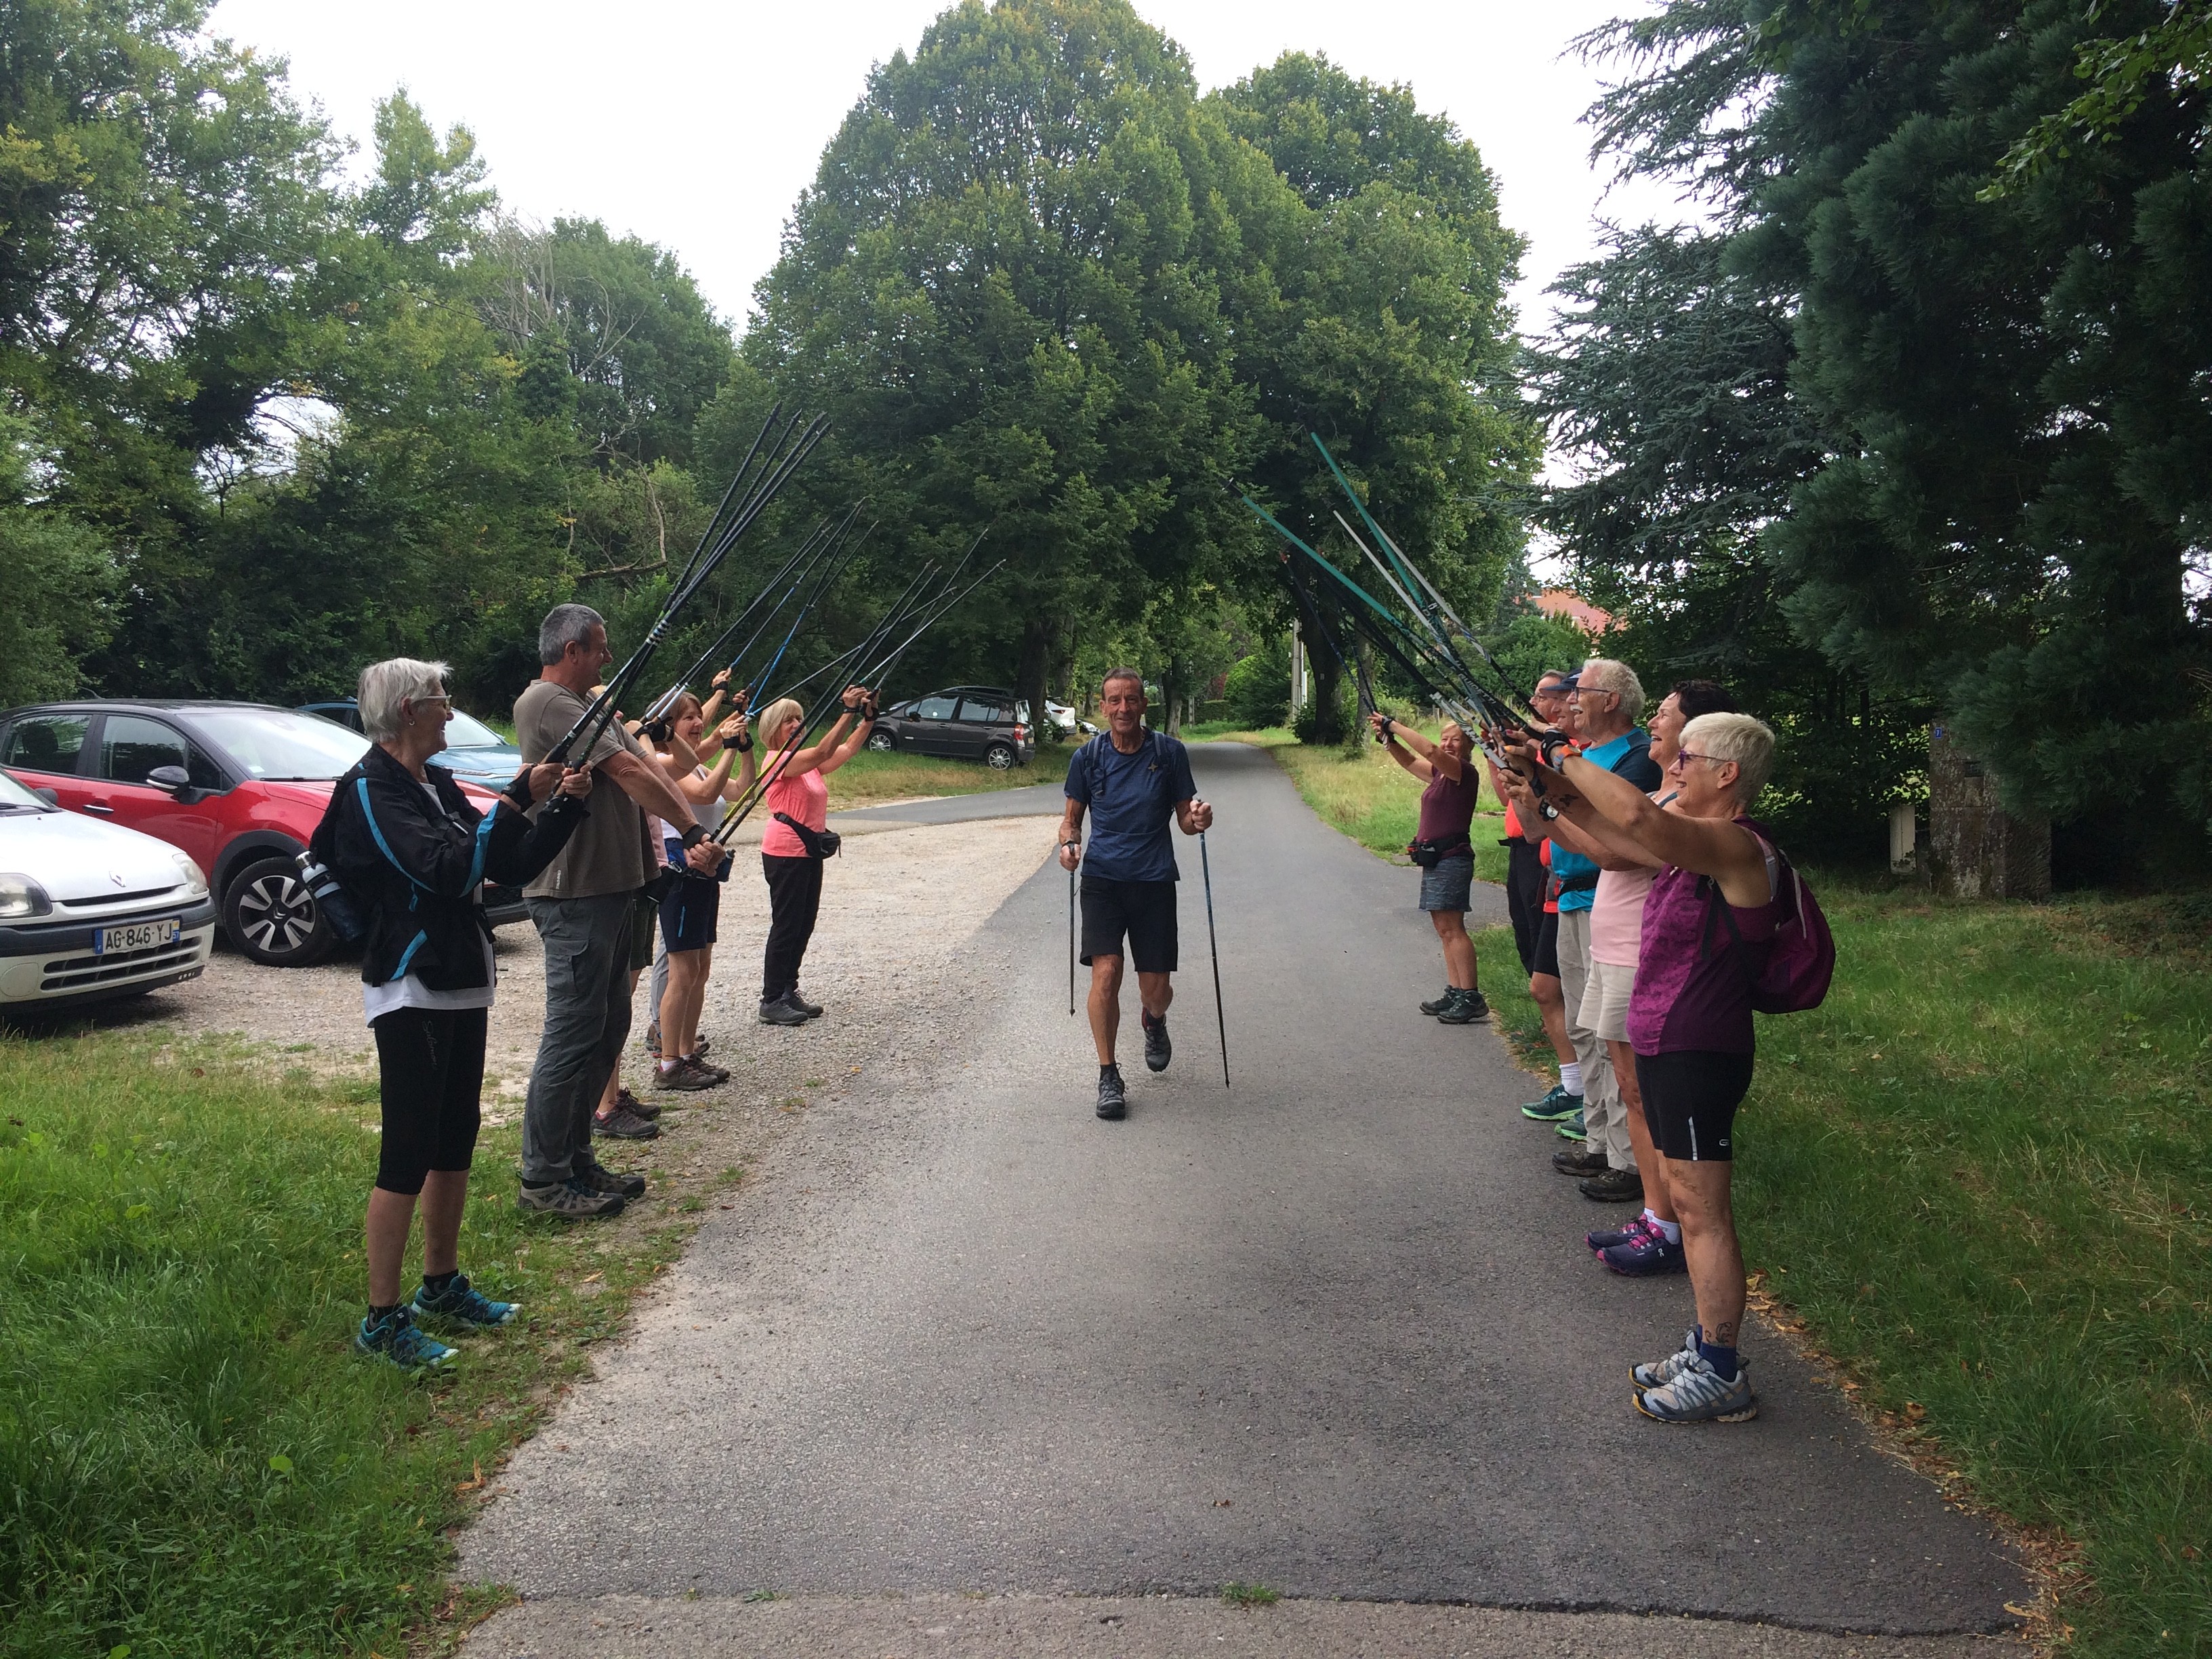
(882, 742)
(272, 918)
(998, 757)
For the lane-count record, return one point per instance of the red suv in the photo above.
(238, 785)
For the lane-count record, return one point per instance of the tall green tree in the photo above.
(1003, 286)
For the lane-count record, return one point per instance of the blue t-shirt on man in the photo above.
(1132, 799)
(1630, 756)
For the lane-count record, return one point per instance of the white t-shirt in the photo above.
(377, 1000)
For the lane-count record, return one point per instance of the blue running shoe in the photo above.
(1553, 1106)
(1645, 1256)
(463, 1304)
(1606, 1237)
(1570, 1127)
(395, 1339)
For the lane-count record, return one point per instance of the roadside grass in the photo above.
(867, 779)
(1250, 1595)
(1976, 1180)
(1377, 803)
(193, 1462)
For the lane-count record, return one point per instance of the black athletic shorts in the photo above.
(1547, 944)
(1144, 910)
(430, 1065)
(1524, 897)
(689, 911)
(1690, 1098)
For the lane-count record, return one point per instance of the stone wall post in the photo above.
(1979, 850)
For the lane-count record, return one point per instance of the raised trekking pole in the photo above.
(1214, 945)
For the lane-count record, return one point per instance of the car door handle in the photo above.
(99, 806)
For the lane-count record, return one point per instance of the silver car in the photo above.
(90, 911)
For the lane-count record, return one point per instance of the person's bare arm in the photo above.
(1718, 847)
(648, 786)
(1421, 757)
(1070, 835)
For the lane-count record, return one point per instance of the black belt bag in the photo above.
(1430, 854)
(819, 843)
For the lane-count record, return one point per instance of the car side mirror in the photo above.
(48, 796)
(170, 779)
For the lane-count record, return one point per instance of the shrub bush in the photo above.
(1258, 694)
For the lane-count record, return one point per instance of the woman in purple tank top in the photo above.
(1689, 1019)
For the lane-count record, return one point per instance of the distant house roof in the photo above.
(1558, 602)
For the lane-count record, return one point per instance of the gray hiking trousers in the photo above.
(588, 998)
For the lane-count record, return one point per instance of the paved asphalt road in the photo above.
(1332, 1330)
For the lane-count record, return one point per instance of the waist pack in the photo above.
(1802, 958)
(819, 843)
(1430, 854)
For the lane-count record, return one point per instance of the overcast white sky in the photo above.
(695, 124)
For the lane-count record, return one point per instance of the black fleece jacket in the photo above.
(414, 872)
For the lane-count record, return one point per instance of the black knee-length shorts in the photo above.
(1143, 910)
(430, 1065)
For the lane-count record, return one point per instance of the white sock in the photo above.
(1570, 1077)
(1672, 1229)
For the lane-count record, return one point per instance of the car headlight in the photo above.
(195, 886)
(21, 896)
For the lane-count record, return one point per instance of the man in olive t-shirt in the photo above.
(583, 907)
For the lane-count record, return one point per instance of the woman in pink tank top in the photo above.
(1689, 1016)
(792, 852)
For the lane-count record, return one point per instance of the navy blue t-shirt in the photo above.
(1132, 799)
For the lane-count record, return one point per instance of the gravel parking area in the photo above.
(899, 902)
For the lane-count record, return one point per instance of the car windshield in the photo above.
(276, 742)
(467, 732)
(15, 798)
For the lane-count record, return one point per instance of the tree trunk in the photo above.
(1029, 676)
(1328, 679)
(1978, 849)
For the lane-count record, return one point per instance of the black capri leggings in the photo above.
(430, 1063)
(794, 899)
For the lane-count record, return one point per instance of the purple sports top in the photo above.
(1689, 995)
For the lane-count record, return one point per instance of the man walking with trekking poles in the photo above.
(1131, 781)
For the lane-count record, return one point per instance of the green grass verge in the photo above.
(1978, 1177)
(193, 1462)
(867, 779)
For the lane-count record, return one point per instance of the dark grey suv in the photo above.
(986, 723)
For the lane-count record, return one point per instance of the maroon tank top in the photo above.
(1693, 981)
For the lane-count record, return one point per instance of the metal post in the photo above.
(1212, 945)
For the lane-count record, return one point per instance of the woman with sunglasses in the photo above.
(1689, 1016)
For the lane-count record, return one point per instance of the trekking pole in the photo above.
(1214, 945)
(1071, 945)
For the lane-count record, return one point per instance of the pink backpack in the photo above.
(1802, 959)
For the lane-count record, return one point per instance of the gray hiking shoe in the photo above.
(1113, 1094)
(783, 1012)
(1464, 1008)
(1698, 1394)
(687, 1074)
(1441, 1003)
(1157, 1049)
(623, 1124)
(1659, 1372)
(600, 1178)
(573, 1198)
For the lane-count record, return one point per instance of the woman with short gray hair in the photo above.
(411, 854)
(1689, 1016)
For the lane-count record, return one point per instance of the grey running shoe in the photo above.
(600, 1178)
(683, 1074)
(798, 1000)
(1698, 1394)
(572, 1198)
(1465, 1008)
(1440, 1004)
(1661, 1373)
(1157, 1049)
(623, 1124)
(1113, 1097)
(782, 1011)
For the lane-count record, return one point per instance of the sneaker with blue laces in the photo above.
(1698, 1394)
(1552, 1107)
(463, 1304)
(396, 1340)
(1570, 1127)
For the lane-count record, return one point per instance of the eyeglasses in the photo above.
(438, 696)
(1585, 691)
(1682, 754)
